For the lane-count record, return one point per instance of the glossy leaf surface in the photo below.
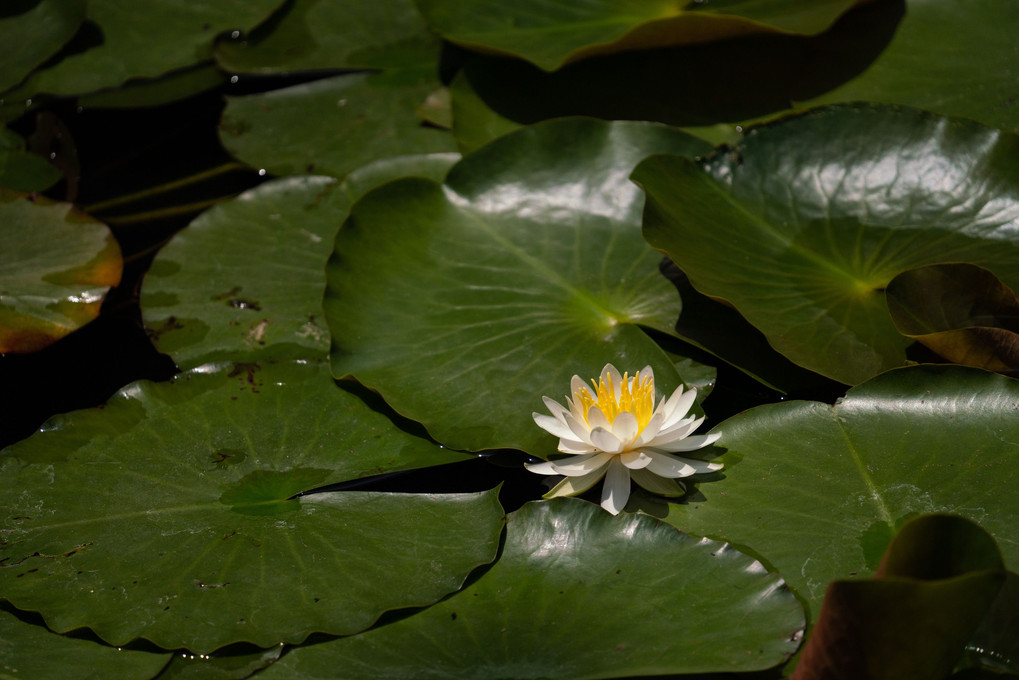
(463, 304)
(56, 266)
(818, 491)
(579, 593)
(309, 35)
(171, 514)
(817, 214)
(550, 34)
(335, 125)
(961, 311)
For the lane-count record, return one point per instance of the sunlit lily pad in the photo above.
(56, 266)
(803, 225)
(212, 293)
(464, 303)
(311, 35)
(334, 125)
(29, 38)
(817, 491)
(171, 515)
(118, 43)
(578, 593)
(31, 651)
(550, 34)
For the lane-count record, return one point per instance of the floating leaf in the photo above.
(29, 38)
(118, 44)
(463, 304)
(171, 514)
(551, 34)
(938, 578)
(803, 225)
(56, 265)
(211, 293)
(312, 35)
(579, 593)
(818, 491)
(334, 125)
(224, 665)
(31, 651)
(22, 170)
(157, 91)
(961, 311)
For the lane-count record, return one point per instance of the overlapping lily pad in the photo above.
(211, 293)
(579, 593)
(30, 37)
(550, 34)
(334, 125)
(20, 169)
(464, 303)
(171, 514)
(56, 266)
(31, 651)
(803, 225)
(309, 35)
(119, 43)
(817, 491)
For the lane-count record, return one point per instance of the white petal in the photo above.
(635, 459)
(574, 446)
(541, 468)
(663, 486)
(606, 441)
(689, 444)
(553, 426)
(616, 491)
(571, 486)
(581, 465)
(625, 427)
(676, 432)
(555, 408)
(596, 418)
(579, 428)
(678, 405)
(577, 385)
(650, 430)
(646, 372)
(664, 465)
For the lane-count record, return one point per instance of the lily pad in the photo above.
(579, 593)
(56, 266)
(464, 303)
(29, 38)
(961, 311)
(817, 491)
(172, 514)
(938, 579)
(211, 293)
(334, 125)
(31, 651)
(118, 43)
(311, 35)
(22, 170)
(802, 226)
(551, 34)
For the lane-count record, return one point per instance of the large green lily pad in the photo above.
(579, 593)
(464, 303)
(30, 37)
(803, 225)
(212, 294)
(171, 515)
(31, 651)
(334, 125)
(817, 491)
(309, 35)
(550, 34)
(119, 43)
(56, 266)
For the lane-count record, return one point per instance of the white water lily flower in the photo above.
(616, 432)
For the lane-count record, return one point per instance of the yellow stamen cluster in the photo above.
(635, 395)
